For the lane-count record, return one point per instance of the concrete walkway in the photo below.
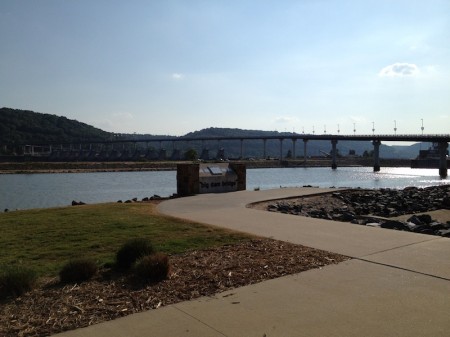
(397, 284)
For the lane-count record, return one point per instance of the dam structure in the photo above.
(127, 149)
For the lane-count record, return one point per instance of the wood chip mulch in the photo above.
(53, 308)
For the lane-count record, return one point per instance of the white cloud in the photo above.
(399, 70)
(123, 116)
(177, 76)
(285, 119)
(358, 119)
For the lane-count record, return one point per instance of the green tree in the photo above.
(191, 154)
(368, 154)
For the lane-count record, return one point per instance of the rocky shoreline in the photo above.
(404, 210)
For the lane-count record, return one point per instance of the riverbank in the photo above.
(418, 210)
(28, 167)
(83, 167)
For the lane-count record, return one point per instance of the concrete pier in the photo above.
(265, 147)
(305, 141)
(293, 148)
(376, 155)
(333, 154)
(443, 159)
(281, 149)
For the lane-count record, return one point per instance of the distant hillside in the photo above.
(22, 127)
(228, 132)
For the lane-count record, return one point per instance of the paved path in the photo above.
(397, 284)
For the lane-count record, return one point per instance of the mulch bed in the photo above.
(53, 308)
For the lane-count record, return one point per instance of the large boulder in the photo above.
(392, 224)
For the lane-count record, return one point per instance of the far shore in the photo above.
(87, 167)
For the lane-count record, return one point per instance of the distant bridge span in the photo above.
(376, 139)
(436, 138)
(387, 138)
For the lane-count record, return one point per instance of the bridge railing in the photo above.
(293, 136)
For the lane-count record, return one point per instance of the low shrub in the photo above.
(152, 268)
(132, 251)
(16, 280)
(78, 270)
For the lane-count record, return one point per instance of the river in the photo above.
(26, 191)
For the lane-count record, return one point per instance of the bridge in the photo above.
(441, 139)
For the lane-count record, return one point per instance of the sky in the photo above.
(173, 67)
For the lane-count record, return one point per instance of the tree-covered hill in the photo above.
(28, 127)
(232, 132)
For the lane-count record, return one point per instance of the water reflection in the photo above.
(22, 191)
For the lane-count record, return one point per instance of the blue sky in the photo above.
(172, 67)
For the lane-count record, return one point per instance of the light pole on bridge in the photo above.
(421, 128)
(373, 128)
(395, 127)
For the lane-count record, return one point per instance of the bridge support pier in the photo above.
(376, 155)
(443, 159)
(305, 141)
(333, 154)
(293, 147)
(281, 149)
(264, 148)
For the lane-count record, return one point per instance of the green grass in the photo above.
(45, 239)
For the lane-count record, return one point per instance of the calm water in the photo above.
(23, 191)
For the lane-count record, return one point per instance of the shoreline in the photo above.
(93, 167)
(412, 209)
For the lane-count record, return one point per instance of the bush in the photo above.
(132, 251)
(78, 271)
(16, 280)
(152, 268)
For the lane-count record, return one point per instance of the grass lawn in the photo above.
(45, 239)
